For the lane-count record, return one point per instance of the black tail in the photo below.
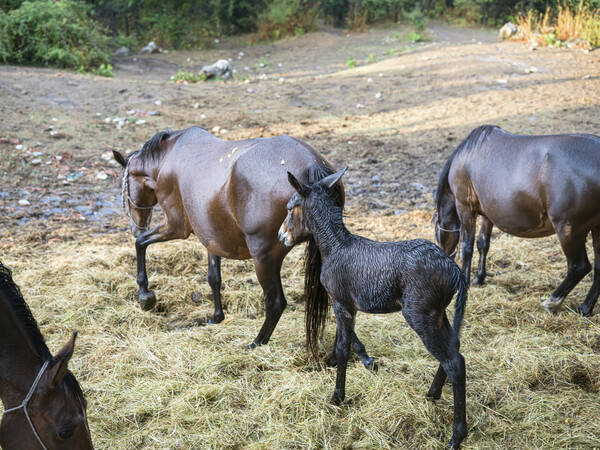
(461, 301)
(315, 295)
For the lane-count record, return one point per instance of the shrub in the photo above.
(287, 17)
(59, 33)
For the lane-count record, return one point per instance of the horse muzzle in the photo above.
(285, 237)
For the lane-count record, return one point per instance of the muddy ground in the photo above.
(393, 119)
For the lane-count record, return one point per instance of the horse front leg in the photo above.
(358, 348)
(578, 266)
(161, 233)
(467, 222)
(344, 317)
(483, 246)
(214, 280)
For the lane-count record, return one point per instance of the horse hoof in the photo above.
(217, 318)
(337, 401)
(372, 366)
(251, 346)
(147, 300)
(478, 282)
(584, 310)
(552, 306)
(433, 396)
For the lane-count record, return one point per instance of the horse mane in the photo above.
(11, 295)
(152, 149)
(315, 295)
(475, 138)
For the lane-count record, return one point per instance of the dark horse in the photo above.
(416, 277)
(43, 403)
(232, 196)
(528, 186)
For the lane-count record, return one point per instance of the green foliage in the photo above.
(351, 63)
(372, 58)
(287, 17)
(105, 70)
(184, 75)
(58, 33)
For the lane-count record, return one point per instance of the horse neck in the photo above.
(327, 226)
(20, 360)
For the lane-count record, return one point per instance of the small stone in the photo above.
(223, 131)
(203, 116)
(378, 95)
(36, 161)
(24, 202)
(215, 129)
(101, 175)
(196, 105)
(360, 105)
(19, 147)
(157, 102)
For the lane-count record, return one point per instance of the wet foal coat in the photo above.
(527, 186)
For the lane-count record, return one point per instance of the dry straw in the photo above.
(162, 380)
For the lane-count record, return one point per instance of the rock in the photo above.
(36, 161)
(508, 30)
(221, 68)
(122, 51)
(24, 202)
(150, 48)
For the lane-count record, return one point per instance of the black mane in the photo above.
(11, 295)
(152, 149)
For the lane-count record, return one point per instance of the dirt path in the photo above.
(393, 119)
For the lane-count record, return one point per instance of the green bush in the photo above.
(58, 33)
(287, 17)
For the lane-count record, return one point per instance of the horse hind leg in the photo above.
(483, 246)
(587, 307)
(268, 273)
(214, 280)
(439, 339)
(578, 266)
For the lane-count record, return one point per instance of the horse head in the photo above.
(139, 197)
(447, 223)
(295, 228)
(53, 412)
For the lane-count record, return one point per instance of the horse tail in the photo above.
(315, 296)
(461, 299)
(473, 140)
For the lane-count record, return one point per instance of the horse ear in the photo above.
(330, 180)
(301, 188)
(58, 371)
(120, 158)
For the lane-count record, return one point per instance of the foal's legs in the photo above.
(344, 317)
(483, 245)
(441, 342)
(214, 280)
(578, 266)
(358, 348)
(160, 233)
(587, 307)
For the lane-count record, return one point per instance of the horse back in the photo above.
(527, 184)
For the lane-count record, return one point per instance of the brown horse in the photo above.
(43, 403)
(232, 196)
(528, 186)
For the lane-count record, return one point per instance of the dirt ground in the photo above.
(393, 119)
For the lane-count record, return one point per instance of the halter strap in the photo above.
(448, 231)
(125, 192)
(25, 402)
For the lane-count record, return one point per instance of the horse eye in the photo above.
(66, 433)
